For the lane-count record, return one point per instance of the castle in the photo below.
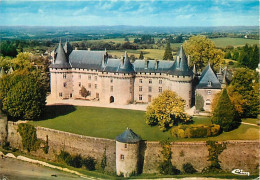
(119, 81)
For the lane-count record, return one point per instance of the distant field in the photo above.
(223, 42)
(109, 123)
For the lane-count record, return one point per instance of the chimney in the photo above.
(156, 64)
(88, 49)
(146, 63)
(76, 48)
(178, 61)
(189, 60)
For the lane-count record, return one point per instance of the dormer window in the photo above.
(209, 83)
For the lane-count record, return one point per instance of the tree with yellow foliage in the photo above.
(166, 110)
(202, 51)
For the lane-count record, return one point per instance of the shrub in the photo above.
(195, 131)
(29, 137)
(76, 161)
(89, 163)
(188, 168)
(166, 167)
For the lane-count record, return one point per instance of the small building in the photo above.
(209, 85)
(127, 153)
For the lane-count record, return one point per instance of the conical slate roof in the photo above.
(128, 136)
(207, 76)
(67, 48)
(61, 60)
(180, 68)
(126, 65)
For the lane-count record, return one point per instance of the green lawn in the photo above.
(223, 42)
(109, 123)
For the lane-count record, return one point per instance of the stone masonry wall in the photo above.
(72, 143)
(238, 155)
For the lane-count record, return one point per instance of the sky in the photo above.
(132, 13)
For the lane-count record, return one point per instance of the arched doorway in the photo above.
(111, 100)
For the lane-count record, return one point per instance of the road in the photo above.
(14, 169)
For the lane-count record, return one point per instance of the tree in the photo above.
(23, 95)
(244, 92)
(202, 51)
(199, 102)
(168, 52)
(141, 55)
(225, 114)
(84, 92)
(166, 110)
(126, 39)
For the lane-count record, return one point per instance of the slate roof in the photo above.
(67, 48)
(206, 76)
(180, 68)
(86, 59)
(150, 66)
(128, 136)
(61, 60)
(99, 60)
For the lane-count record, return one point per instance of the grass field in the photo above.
(223, 42)
(109, 123)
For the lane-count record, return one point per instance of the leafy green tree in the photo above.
(244, 92)
(168, 52)
(141, 55)
(7, 48)
(199, 102)
(215, 149)
(166, 167)
(23, 95)
(166, 110)
(225, 114)
(84, 92)
(202, 51)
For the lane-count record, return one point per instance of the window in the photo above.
(95, 86)
(97, 95)
(95, 78)
(150, 81)
(160, 81)
(130, 89)
(79, 84)
(122, 157)
(209, 83)
(89, 77)
(60, 94)
(149, 98)
(160, 89)
(208, 102)
(125, 145)
(140, 81)
(111, 88)
(71, 95)
(140, 88)
(89, 85)
(140, 97)
(150, 89)
(79, 76)
(64, 76)
(64, 84)
(111, 80)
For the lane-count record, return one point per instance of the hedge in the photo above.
(195, 131)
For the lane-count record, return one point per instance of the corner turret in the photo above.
(127, 153)
(126, 66)
(61, 60)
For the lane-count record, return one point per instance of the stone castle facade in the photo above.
(118, 81)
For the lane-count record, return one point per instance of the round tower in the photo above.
(127, 153)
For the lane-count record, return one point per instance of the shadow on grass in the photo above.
(54, 111)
